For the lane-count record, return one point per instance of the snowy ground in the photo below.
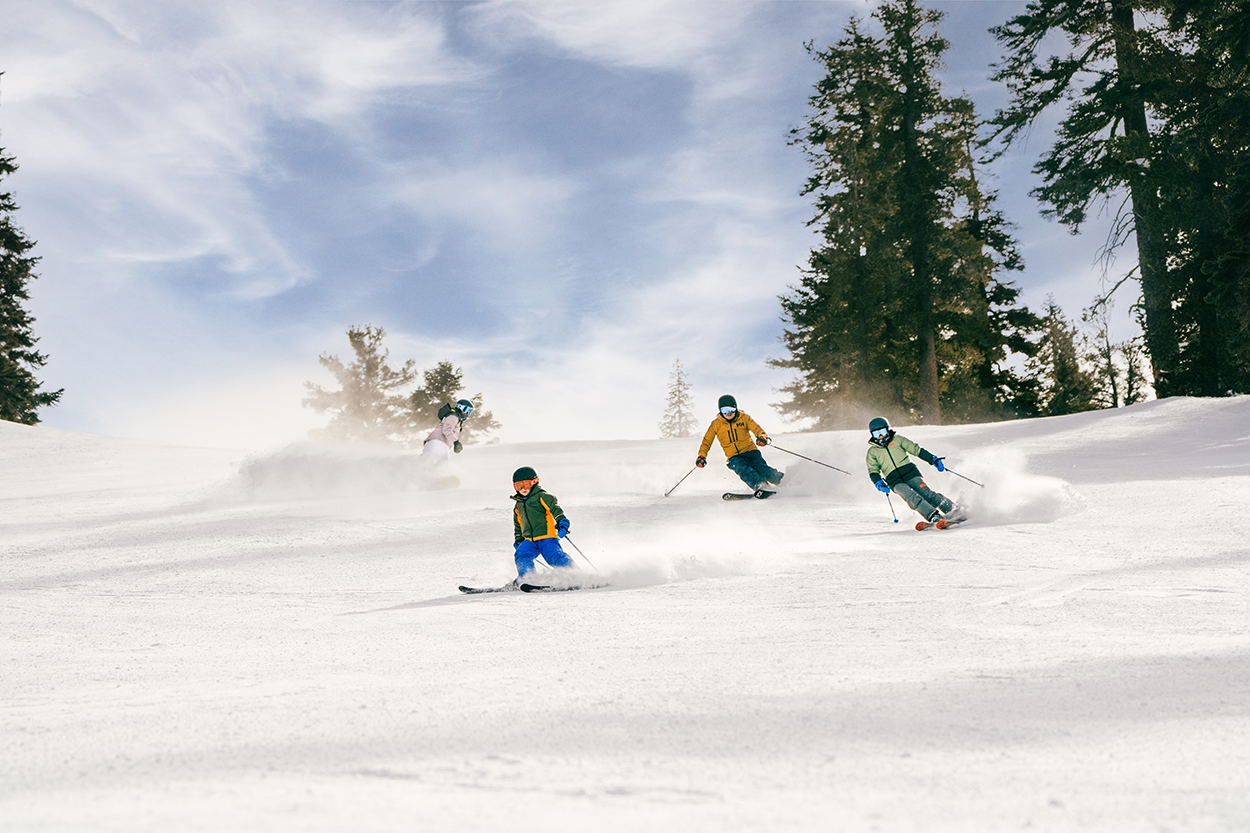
(198, 640)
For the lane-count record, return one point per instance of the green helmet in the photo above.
(524, 473)
(878, 423)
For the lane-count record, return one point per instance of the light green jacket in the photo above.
(891, 463)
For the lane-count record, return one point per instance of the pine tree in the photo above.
(1104, 355)
(678, 416)
(20, 393)
(1136, 382)
(443, 384)
(1158, 95)
(901, 310)
(1067, 386)
(368, 406)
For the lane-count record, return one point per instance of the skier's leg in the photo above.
(915, 500)
(932, 497)
(553, 553)
(768, 472)
(764, 473)
(526, 552)
(434, 456)
(740, 465)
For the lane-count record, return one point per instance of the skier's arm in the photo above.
(558, 519)
(706, 446)
(516, 525)
(911, 448)
(451, 428)
(754, 428)
(874, 467)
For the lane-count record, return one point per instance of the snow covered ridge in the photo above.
(198, 639)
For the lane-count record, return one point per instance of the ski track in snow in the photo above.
(205, 640)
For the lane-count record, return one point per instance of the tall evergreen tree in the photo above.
(443, 384)
(1201, 101)
(901, 309)
(1159, 112)
(368, 406)
(20, 392)
(678, 417)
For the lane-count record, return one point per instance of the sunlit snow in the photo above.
(205, 640)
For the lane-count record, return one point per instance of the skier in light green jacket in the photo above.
(890, 469)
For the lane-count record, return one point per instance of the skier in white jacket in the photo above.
(446, 435)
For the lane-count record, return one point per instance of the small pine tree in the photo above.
(1067, 387)
(1133, 352)
(678, 414)
(367, 407)
(1104, 356)
(444, 385)
(20, 395)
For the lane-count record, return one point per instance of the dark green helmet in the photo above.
(878, 423)
(524, 473)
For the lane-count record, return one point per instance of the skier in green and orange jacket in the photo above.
(890, 469)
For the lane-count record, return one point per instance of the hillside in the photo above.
(210, 640)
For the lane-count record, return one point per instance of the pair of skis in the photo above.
(761, 494)
(944, 523)
(529, 588)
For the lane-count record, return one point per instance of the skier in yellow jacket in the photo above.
(734, 429)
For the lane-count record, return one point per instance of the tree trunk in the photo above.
(1160, 325)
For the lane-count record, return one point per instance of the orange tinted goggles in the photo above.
(522, 485)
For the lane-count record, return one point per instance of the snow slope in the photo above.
(199, 640)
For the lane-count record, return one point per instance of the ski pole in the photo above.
(582, 554)
(887, 500)
(670, 491)
(809, 459)
(969, 479)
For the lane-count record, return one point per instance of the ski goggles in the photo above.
(522, 485)
(728, 411)
(880, 433)
(466, 411)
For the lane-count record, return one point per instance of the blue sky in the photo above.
(562, 198)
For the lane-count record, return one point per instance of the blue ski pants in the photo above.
(750, 466)
(548, 548)
(921, 498)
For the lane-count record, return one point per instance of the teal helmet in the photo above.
(880, 431)
(464, 407)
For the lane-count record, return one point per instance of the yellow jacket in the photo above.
(734, 434)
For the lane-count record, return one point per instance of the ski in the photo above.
(553, 588)
(944, 523)
(507, 588)
(762, 494)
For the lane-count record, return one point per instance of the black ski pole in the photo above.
(969, 479)
(678, 483)
(887, 500)
(582, 554)
(809, 459)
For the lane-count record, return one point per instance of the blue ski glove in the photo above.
(700, 461)
(457, 447)
(562, 528)
(937, 462)
(883, 487)
(762, 441)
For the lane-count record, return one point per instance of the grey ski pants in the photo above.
(921, 498)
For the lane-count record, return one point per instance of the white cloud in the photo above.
(650, 34)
